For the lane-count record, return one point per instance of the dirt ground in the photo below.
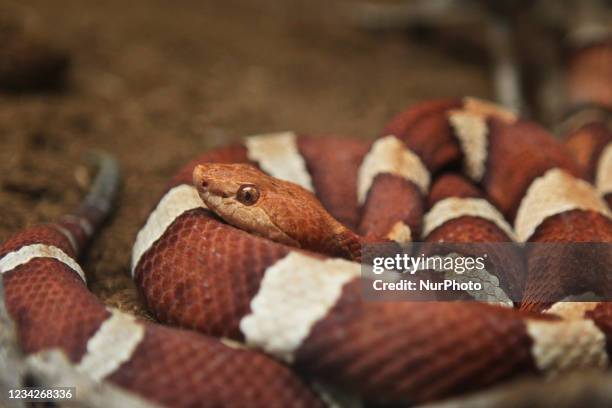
(156, 82)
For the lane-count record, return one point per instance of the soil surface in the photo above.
(157, 82)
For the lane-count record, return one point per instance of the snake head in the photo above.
(282, 211)
(247, 198)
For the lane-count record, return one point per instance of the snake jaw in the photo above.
(251, 219)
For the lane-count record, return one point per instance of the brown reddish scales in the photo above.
(179, 368)
(452, 185)
(220, 276)
(602, 317)
(569, 228)
(518, 153)
(46, 290)
(391, 350)
(204, 252)
(556, 270)
(425, 129)
(391, 199)
(333, 188)
(480, 235)
(202, 273)
(381, 350)
(53, 309)
(221, 273)
(591, 146)
(586, 145)
(47, 234)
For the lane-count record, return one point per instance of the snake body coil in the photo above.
(305, 309)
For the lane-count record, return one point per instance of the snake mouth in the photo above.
(214, 192)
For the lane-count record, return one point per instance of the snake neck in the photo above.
(344, 243)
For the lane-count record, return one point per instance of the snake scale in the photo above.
(252, 247)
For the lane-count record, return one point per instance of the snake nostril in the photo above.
(205, 184)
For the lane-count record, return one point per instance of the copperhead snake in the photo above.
(251, 246)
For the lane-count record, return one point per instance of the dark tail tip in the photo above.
(105, 186)
(83, 223)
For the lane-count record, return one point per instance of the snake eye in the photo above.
(247, 194)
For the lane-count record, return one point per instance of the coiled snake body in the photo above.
(246, 257)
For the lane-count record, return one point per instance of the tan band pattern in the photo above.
(572, 308)
(25, 254)
(485, 108)
(176, 201)
(471, 131)
(277, 154)
(553, 193)
(470, 126)
(568, 345)
(400, 233)
(455, 207)
(112, 345)
(390, 155)
(295, 293)
(603, 179)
